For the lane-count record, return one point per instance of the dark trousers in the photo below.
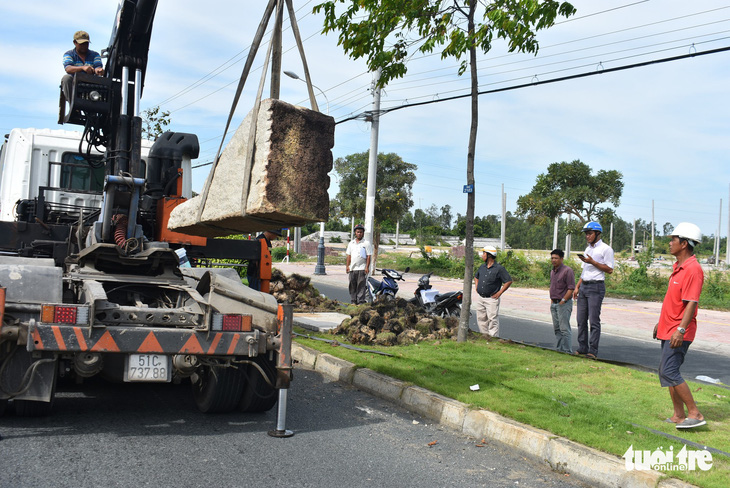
(357, 286)
(590, 298)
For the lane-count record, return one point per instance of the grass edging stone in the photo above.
(379, 384)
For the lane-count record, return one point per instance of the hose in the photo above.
(120, 229)
(27, 380)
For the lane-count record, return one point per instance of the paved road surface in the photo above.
(134, 435)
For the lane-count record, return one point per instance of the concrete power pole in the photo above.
(555, 232)
(633, 239)
(727, 241)
(504, 220)
(717, 239)
(652, 226)
(610, 237)
(372, 165)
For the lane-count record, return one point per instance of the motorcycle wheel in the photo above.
(455, 311)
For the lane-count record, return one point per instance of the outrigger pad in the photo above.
(288, 177)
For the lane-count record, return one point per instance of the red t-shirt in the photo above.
(685, 285)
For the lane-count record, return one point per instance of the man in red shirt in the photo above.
(678, 323)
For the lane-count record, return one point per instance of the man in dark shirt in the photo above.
(492, 280)
(562, 284)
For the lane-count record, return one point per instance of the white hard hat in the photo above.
(490, 250)
(688, 231)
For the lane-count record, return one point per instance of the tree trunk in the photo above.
(469, 244)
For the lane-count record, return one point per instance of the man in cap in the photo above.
(357, 265)
(678, 323)
(591, 288)
(253, 272)
(80, 59)
(492, 281)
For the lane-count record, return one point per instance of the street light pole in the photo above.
(319, 268)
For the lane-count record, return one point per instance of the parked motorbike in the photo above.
(388, 288)
(439, 304)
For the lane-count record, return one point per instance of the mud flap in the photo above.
(41, 370)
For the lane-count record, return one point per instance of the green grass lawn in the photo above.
(596, 404)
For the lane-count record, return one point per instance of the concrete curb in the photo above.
(563, 455)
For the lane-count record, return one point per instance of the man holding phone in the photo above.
(591, 288)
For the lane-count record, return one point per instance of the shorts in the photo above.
(671, 360)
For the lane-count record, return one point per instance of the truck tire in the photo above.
(258, 395)
(217, 390)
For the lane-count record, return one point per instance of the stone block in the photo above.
(378, 384)
(288, 179)
(335, 368)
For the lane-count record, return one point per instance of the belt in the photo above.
(556, 300)
(590, 282)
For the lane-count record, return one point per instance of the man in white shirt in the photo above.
(591, 288)
(357, 264)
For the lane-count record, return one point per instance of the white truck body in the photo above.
(34, 158)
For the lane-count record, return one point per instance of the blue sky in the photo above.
(665, 127)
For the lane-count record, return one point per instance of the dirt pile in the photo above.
(384, 322)
(298, 290)
(387, 323)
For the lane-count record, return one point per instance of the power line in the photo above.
(545, 82)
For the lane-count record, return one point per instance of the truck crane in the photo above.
(92, 282)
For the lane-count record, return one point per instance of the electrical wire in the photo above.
(538, 82)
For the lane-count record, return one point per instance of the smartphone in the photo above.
(580, 256)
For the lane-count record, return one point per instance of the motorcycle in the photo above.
(438, 304)
(388, 288)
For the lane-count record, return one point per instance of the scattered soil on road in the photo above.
(384, 322)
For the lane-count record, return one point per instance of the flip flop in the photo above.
(669, 420)
(690, 423)
(591, 356)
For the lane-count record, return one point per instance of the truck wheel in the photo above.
(258, 395)
(217, 390)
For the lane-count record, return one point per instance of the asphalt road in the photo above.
(103, 434)
(643, 354)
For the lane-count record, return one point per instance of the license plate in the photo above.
(148, 367)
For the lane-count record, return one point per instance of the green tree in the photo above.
(387, 32)
(154, 122)
(570, 188)
(667, 228)
(394, 181)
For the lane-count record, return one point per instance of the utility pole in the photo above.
(555, 232)
(568, 239)
(372, 165)
(717, 238)
(727, 241)
(652, 226)
(504, 220)
(633, 239)
(610, 237)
